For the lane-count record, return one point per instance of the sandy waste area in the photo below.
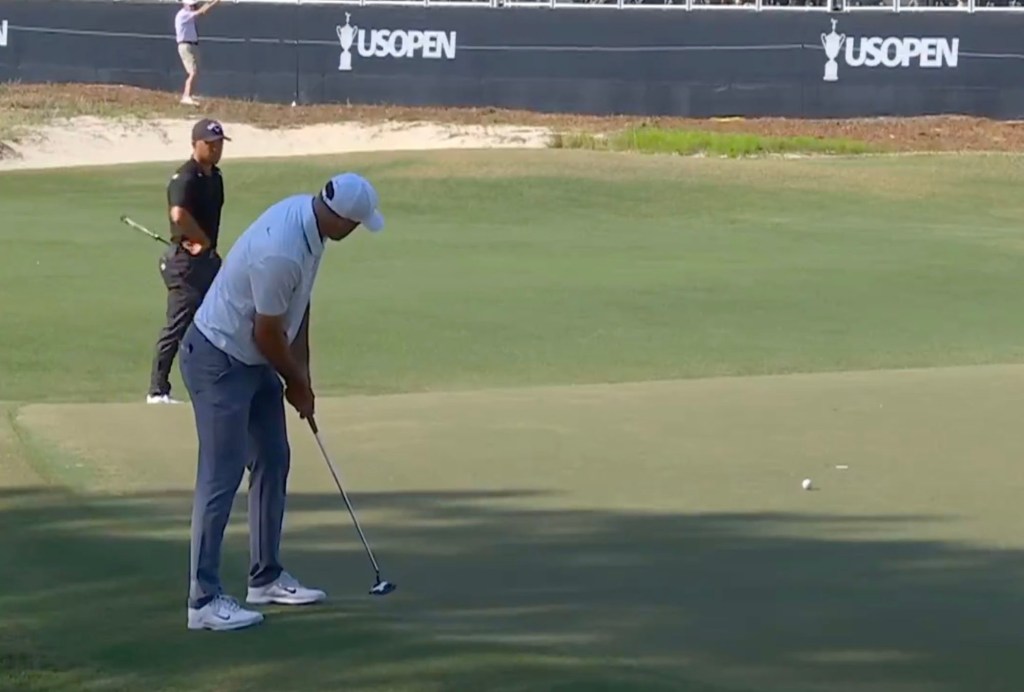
(90, 141)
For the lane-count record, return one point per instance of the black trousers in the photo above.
(187, 279)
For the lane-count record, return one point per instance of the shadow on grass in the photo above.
(495, 597)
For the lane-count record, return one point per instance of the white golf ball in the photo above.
(293, 104)
(807, 484)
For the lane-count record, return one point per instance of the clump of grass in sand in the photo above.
(658, 140)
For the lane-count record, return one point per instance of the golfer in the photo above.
(188, 43)
(195, 197)
(250, 334)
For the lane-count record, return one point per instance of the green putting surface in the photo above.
(521, 384)
(643, 536)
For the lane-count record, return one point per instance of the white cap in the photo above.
(352, 196)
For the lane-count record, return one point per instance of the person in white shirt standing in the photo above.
(245, 354)
(188, 42)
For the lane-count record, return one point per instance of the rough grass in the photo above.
(569, 267)
(657, 140)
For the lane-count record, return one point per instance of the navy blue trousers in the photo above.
(240, 422)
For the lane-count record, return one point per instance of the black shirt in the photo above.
(201, 195)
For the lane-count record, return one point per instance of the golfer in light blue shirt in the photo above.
(250, 334)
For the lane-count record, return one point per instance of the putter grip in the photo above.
(312, 425)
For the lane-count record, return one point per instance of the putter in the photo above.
(381, 587)
(142, 229)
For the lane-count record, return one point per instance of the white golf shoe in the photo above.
(160, 399)
(285, 591)
(222, 613)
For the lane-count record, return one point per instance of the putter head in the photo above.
(382, 588)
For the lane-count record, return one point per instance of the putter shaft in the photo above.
(344, 496)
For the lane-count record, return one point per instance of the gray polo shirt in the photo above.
(185, 26)
(269, 270)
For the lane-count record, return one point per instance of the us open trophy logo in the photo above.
(346, 35)
(832, 43)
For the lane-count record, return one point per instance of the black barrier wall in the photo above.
(655, 62)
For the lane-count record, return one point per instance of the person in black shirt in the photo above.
(195, 197)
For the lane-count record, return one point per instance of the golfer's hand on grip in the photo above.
(299, 394)
(193, 248)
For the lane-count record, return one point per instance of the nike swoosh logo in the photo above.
(289, 589)
(223, 617)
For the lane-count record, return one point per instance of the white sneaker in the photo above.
(285, 591)
(160, 399)
(222, 613)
